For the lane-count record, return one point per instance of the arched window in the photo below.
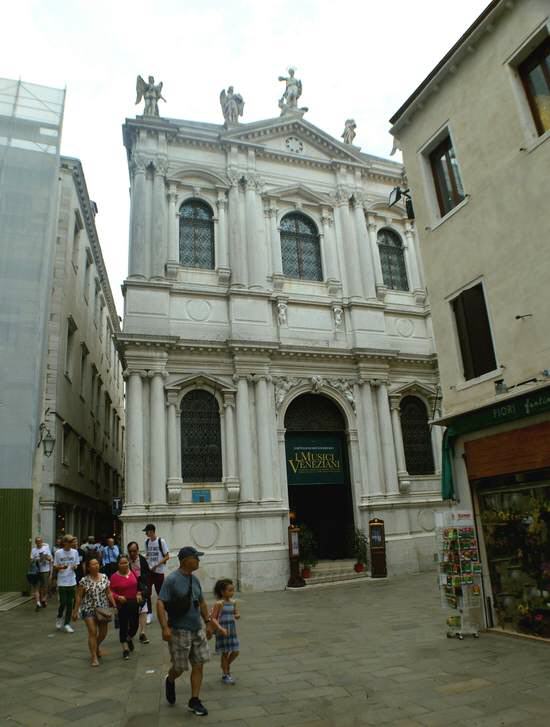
(417, 441)
(201, 450)
(392, 260)
(300, 249)
(196, 235)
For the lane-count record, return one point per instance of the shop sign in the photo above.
(314, 461)
(527, 405)
(198, 496)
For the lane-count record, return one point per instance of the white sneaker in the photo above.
(59, 623)
(149, 618)
(68, 629)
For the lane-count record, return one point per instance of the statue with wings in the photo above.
(150, 94)
(232, 106)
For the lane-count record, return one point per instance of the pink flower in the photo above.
(539, 617)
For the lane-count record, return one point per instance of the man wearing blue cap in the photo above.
(180, 608)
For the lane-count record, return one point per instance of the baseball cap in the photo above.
(188, 552)
(149, 526)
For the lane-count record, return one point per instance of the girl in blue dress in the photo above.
(225, 612)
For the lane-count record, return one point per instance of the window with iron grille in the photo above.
(392, 260)
(417, 441)
(300, 248)
(201, 450)
(196, 235)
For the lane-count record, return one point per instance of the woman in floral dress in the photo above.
(93, 592)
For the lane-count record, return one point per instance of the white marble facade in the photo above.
(256, 339)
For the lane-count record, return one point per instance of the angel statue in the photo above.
(349, 131)
(293, 91)
(150, 94)
(232, 106)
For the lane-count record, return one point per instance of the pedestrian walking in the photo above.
(140, 567)
(109, 557)
(41, 555)
(66, 561)
(125, 587)
(156, 552)
(180, 607)
(79, 572)
(91, 549)
(93, 599)
(226, 612)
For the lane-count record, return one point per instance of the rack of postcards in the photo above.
(459, 573)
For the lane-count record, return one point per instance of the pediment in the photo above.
(295, 192)
(196, 175)
(199, 380)
(272, 135)
(412, 388)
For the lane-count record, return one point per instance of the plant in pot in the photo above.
(308, 550)
(359, 547)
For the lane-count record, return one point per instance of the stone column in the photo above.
(254, 239)
(386, 439)
(271, 213)
(370, 415)
(263, 429)
(174, 482)
(48, 521)
(223, 256)
(332, 271)
(158, 438)
(415, 281)
(231, 480)
(373, 230)
(137, 260)
(134, 437)
(173, 226)
(355, 286)
(159, 253)
(237, 250)
(282, 465)
(244, 440)
(365, 253)
(398, 436)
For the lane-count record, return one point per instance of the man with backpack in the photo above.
(156, 553)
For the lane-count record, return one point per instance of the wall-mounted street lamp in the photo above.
(47, 440)
(395, 196)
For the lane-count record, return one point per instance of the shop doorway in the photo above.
(319, 489)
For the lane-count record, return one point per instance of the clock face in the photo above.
(294, 144)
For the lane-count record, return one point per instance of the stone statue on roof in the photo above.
(232, 106)
(150, 93)
(349, 131)
(288, 102)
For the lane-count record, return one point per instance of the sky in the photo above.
(358, 60)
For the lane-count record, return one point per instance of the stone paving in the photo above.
(364, 653)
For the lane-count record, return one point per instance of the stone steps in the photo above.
(11, 600)
(334, 571)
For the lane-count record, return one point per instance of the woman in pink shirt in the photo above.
(124, 587)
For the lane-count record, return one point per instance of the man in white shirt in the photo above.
(41, 555)
(157, 555)
(66, 561)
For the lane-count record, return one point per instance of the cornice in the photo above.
(88, 215)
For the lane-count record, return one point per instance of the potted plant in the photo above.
(359, 547)
(308, 550)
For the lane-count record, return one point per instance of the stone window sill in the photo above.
(537, 142)
(450, 214)
(489, 376)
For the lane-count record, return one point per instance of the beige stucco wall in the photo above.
(501, 232)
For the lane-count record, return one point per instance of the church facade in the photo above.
(278, 345)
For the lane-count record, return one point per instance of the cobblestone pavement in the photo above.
(369, 653)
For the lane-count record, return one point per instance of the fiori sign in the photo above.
(314, 460)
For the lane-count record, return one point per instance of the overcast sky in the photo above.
(355, 59)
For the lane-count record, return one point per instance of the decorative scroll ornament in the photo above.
(316, 384)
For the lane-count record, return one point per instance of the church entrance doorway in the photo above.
(317, 463)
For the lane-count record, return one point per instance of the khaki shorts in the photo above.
(188, 647)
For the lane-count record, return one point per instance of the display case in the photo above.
(459, 573)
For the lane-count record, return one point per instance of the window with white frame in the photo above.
(300, 247)
(196, 234)
(446, 175)
(392, 260)
(70, 346)
(534, 72)
(201, 452)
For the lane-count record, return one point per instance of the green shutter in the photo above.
(15, 538)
